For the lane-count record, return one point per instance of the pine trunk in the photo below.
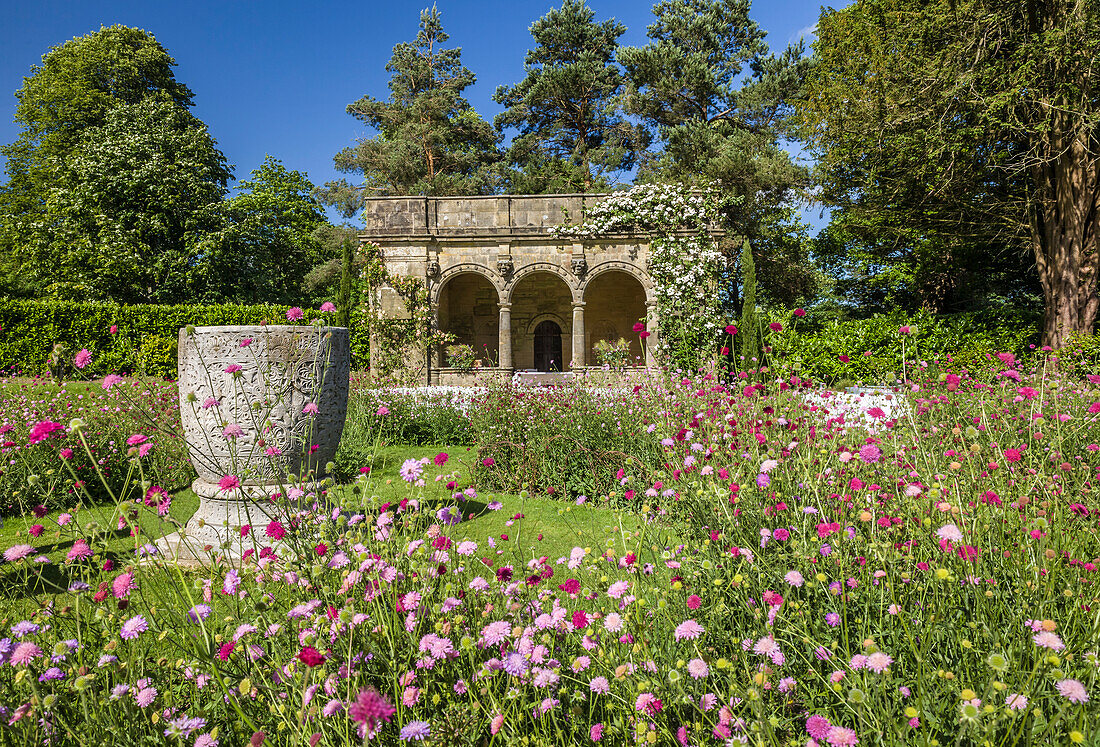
(1065, 224)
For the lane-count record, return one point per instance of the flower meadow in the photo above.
(916, 572)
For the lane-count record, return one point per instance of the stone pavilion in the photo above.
(501, 282)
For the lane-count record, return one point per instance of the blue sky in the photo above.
(274, 77)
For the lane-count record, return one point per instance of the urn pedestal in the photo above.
(262, 407)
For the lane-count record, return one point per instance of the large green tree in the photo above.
(719, 100)
(267, 241)
(570, 133)
(721, 105)
(960, 124)
(430, 140)
(125, 210)
(73, 90)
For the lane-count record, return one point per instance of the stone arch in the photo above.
(548, 267)
(455, 270)
(537, 296)
(467, 306)
(616, 298)
(616, 265)
(558, 319)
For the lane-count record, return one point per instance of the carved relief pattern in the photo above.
(282, 370)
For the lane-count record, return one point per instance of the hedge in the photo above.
(869, 350)
(145, 339)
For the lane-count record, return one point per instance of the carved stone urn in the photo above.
(262, 407)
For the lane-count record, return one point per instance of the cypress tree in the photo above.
(343, 299)
(750, 323)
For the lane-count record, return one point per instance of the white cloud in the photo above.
(809, 33)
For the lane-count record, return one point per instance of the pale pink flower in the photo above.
(82, 359)
(1048, 639)
(949, 532)
(1073, 691)
(688, 629)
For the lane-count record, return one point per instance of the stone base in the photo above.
(217, 522)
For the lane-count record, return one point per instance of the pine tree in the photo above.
(430, 140)
(572, 135)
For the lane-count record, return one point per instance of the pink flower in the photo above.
(18, 552)
(233, 430)
(949, 532)
(879, 662)
(818, 726)
(79, 551)
(310, 408)
(617, 589)
(839, 736)
(232, 368)
(731, 330)
(1016, 702)
(1047, 639)
(294, 313)
(869, 453)
(110, 380)
(1012, 455)
(133, 627)
(114, 329)
(136, 439)
(24, 654)
(328, 306)
(370, 709)
(83, 358)
(694, 602)
(648, 703)
(688, 629)
(1073, 691)
(698, 668)
(275, 530)
(145, 697)
(800, 312)
(596, 732)
(229, 482)
(123, 585)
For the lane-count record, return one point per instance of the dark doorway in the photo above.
(548, 346)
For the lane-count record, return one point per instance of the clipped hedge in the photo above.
(869, 350)
(145, 340)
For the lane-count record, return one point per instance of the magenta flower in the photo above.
(229, 482)
(370, 709)
(328, 306)
(82, 359)
(310, 409)
(294, 313)
(42, 430)
(232, 368)
(818, 726)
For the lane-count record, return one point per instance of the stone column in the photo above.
(578, 335)
(504, 336)
(651, 328)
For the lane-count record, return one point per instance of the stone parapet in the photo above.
(495, 215)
